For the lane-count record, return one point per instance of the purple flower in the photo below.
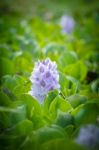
(88, 136)
(67, 23)
(45, 78)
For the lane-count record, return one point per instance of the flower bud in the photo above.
(67, 23)
(45, 78)
(88, 136)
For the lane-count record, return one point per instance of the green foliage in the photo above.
(25, 127)
(62, 143)
(26, 37)
(79, 73)
(61, 104)
(6, 67)
(76, 100)
(64, 119)
(87, 113)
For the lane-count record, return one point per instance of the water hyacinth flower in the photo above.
(44, 78)
(67, 23)
(89, 136)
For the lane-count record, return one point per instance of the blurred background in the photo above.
(66, 31)
(33, 25)
(57, 8)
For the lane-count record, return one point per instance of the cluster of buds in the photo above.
(44, 78)
(89, 136)
(67, 23)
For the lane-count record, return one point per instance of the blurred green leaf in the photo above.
(76, 99)
(7, 67)
(20, 115)
(24, 127)
(34, 110)
(85, 114)
(12, 81)
(63, 119)
(32, 105)
(63, 81)
(53, 50)
(77, 70)
(95, 86)
(59, 104)
(49, 133)
(23, 66)
(4, 100)
(5, 51)
(67, 58)
(49, 98)
(69, 129)
(63, 144)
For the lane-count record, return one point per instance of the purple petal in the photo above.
(43, 83)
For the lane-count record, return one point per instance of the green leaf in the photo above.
(20, 115)
(5, 50)
(4, 118)
(67, 58)
(32, 105)
(77, 70)
(76, 99)
(34, 110)
(23, 66)
(6, 66)
(58, 144)
(85, 114)
(63, 119)
(4, 100)
(63, 81)
(9, 116)
(70, 130)
(24, 127)
(49, 133)
(53, 50)
(12, 81)
(5, 109)
(49, 98)
(95, 86)
(59, 104)
(11, 142)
